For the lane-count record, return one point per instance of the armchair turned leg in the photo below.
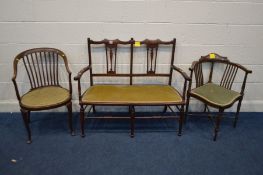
(218, 120)
(69, 106)
(237, 113)
(132, 113)
(29, 120)
(25, 114)
(181, 118)
(82, 121)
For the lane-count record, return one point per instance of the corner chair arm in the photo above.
(244, 81)
(193, 65)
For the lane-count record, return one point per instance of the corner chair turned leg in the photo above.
(25, 114)
(82, 120)
(186, 108)
(217, 125)
(132, 115)
(69, 106)
(237, 113)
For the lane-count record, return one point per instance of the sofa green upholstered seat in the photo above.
(132, 95)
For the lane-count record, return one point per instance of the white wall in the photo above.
(232, 28)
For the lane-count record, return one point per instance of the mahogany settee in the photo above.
(131, 94)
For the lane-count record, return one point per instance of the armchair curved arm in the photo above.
(186, 79)
(78, 77)
(64, 57)
(14, 79)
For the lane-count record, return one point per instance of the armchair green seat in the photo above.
(45, 97)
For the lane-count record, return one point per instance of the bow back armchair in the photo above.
(42, 66)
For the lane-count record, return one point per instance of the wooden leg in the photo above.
(25, 114)
(205, 108)
(237, 113)
(69, 106)
(82, 120)
(181, 118)
(29, 120)
(165, 109)
(132, 113)
(93, 108)
(217, 125)
(186, 108)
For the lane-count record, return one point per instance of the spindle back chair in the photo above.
(43, 66)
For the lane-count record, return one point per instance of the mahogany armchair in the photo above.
(43, 71)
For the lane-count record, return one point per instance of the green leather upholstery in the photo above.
(45, 97)
(135, 94)
(216, 94)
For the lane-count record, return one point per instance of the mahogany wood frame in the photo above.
(152, 46)
(42, 67)
(227, 80)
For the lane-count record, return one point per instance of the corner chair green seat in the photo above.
(216, 95)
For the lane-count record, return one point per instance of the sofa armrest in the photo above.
(78, 77)
(186, 77)
(81, 72)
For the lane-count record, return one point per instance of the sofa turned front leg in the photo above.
(82, 121)
(132, 115)
(94, 109)
(165, 109)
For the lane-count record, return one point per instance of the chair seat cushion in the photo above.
(131, 94)
(216, 95)
(45, 97)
